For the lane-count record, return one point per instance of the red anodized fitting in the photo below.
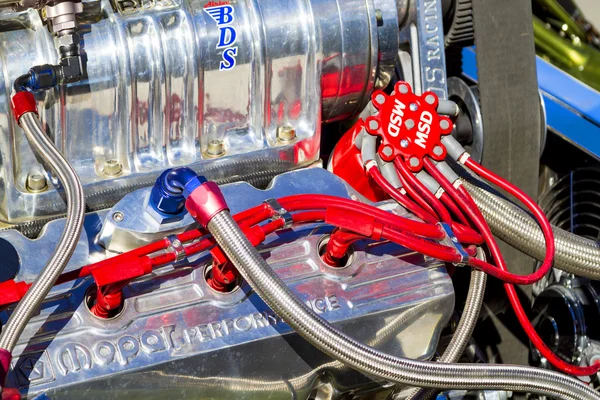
(22, 103)
(5, 359)
(205, 202)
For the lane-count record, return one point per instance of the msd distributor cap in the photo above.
(409, 126)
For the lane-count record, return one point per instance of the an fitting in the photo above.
(5, 359)
(180, 187)
(205, 202)
(22, 103)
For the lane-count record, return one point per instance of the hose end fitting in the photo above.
(206, 201)
(22, 103)
(182, 186)
(172, 188)
(5, 359)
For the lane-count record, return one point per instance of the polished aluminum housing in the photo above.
(178, 338)
(160, 93)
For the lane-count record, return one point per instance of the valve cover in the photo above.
(177, 337)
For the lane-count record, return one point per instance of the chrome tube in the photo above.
(34, 297)
(574, 254)
(372, 362)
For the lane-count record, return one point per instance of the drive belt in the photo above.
(508, 89)
(510, 105)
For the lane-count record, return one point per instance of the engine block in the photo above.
(176, 335)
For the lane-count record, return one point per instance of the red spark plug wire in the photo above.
(412, 181)
(529, 329)
(463, 198)
(338, 246)
(399, 197)
(487, 233)
(454, 209)
(322, 202)
(461, 229)
(529, 203)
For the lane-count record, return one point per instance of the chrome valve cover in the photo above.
(176, 337)
(190, 82)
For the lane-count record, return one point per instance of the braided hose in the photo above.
(574, 254)
(34, 297)
(464, 330)
(367, 360)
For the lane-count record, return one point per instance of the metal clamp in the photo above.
(280, 213)
(450, 240)
(176, 247)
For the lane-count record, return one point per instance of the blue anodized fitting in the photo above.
(172, 188)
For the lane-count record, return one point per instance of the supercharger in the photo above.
(198, 83)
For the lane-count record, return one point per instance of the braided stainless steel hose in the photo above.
(372, 362)
(574, 254)
(34, 297)
(464, 330)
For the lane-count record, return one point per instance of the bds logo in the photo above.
(223, 14)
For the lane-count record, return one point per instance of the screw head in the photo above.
(118, 216)
(413, 106)
(286, 134)
(404, 143)
(215, 148)
(112, 168)
(379, 17)
(36, 183)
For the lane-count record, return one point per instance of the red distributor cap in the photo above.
(409, 126)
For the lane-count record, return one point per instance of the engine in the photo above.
(289, 199)
(173, 323)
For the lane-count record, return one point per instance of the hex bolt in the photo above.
(404, 143)
(414, 162)
(112, 168)
(444, 124)
(373, 125)
(286, 134)
(380, 99)
(438, 151)
(216, 148)
(36, 183)
(118, 216)
(429, 99)
(379, 17)
(409, 123)
(413, 106)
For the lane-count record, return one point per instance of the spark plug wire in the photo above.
(395, 194)
(412, 181)
(462, 197)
